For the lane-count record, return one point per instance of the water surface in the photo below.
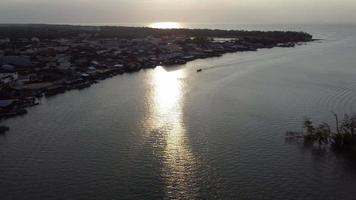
(172, 133)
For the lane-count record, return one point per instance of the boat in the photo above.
(199, 70)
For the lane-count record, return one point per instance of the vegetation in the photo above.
(67, 31)
(343, 137)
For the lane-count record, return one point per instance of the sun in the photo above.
(166, 25)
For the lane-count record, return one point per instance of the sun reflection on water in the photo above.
(166, 25)
(169, 133)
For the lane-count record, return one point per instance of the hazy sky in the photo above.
(196, 11)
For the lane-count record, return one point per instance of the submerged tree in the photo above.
(321, 134)
(342, 138)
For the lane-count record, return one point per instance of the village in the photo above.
(31, 68)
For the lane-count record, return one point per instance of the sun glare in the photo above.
(166, 25)
(166, 122)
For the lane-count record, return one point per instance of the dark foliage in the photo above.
(342, 138)
(68, 31)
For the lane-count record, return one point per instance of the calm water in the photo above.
(177, 134)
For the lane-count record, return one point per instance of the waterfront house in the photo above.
(7, 68)
(23, 61)
(8, 78)
(6, 105)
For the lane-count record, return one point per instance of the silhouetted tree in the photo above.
(343, 138)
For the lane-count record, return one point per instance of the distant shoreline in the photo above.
(39, 30)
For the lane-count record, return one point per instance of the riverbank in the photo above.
(51, 64)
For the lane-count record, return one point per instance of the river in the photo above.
(173, 133)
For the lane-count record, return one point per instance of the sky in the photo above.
(191, 11)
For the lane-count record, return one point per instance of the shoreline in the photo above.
(32, 68)
(63, 87)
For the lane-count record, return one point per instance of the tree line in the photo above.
(69, 31)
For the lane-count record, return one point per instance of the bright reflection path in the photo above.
(171, 143)
(166, 25)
